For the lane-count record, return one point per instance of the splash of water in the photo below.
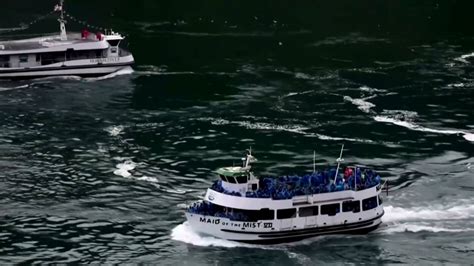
(184, 233)
(124, 168)
(121, 72)
(361, 103)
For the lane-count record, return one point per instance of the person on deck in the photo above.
(84, 34)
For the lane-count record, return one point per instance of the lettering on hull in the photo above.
(236, 224)
(106, 60)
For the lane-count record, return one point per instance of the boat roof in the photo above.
(232, 171)
(53, 43)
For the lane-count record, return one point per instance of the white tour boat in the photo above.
(77, 54)
(242, 207)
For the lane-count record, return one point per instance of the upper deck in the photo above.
(52, 43)
(286, 187)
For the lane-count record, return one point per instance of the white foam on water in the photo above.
(184, 233)
(124, 168)
(434, 218)
(415, 228)
(371, 90)
(469, 136)
(305, 76)
(410, 125)
(121, 72)
(147, 179)
(462, 211)
(261, 125)
(298, 129)
(463, 57)
(298, 257)
(14, 88)
(115, 130)
(297, 93)
(361, 103)
(325, 137)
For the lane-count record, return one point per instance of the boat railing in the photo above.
(287, 187)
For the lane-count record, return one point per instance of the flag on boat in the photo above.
(58, 8)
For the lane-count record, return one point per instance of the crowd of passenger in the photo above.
(286, 187)
(209, 209)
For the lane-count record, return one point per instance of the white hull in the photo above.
(268, 232)
(96, 71)
(297, 227)
(69, 68)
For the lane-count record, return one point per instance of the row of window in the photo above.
(56, 57)
(330, 209)
(326, 209)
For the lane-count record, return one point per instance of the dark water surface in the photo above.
(99, 170)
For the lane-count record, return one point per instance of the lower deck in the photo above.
(284, 230)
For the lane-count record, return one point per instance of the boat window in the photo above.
(380, 200)
(231, 179)
(370, 203)
(51, 58)
(351, 206)
(330, 209)
(98, 53)
(265, 214)
(308, 211)
(241, 179)
(286, 213)
(239, 214)
(113, 42)
(4, 61)
(223, 178)
(38, 57)
(23, 58)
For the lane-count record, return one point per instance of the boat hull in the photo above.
(68, 69)
(271, 232)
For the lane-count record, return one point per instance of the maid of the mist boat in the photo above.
(242, 207)
(78, 54)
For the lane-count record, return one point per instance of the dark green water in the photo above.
(99, 170)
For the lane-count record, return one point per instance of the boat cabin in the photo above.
(237, 179)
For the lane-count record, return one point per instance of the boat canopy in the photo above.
(232, 171)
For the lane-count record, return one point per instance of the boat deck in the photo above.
(286, 187)
(44, 42)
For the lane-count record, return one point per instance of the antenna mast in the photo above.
(339, 160)
(62, 21)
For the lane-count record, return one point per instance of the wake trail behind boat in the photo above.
(428, 219)
(468, 136)
(367, 107)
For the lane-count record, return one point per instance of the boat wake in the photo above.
(184, 233)
(410, 125)
(394, 116)
(423, 219)
(298, 129)
(14, 88)
(463, 57)
(124, 71)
